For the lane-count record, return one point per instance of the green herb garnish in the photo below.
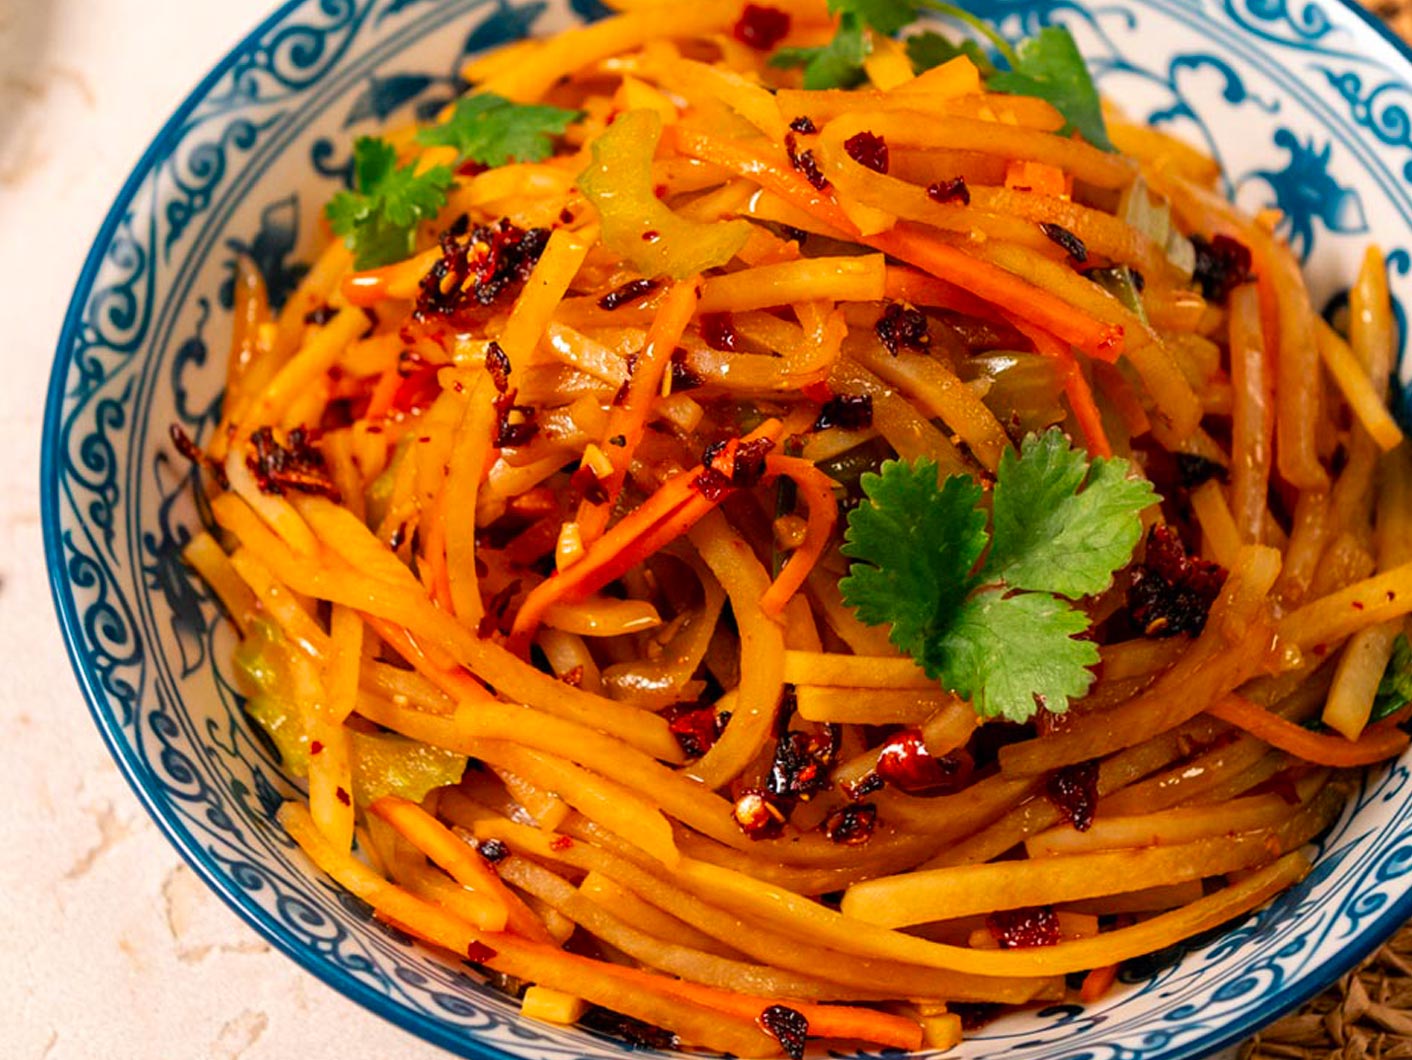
(492, 130)
(1395, 689)
(1002, 635)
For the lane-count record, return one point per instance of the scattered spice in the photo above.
(630, 363)
(628, 292)
(900, 326)
(198, 456)
(948, 191)
(1023, 928)
(684, 377)
(1073, 790)
(749, 464)
(711, 484)
(718, 331)
(479, 953)
(906, 764)
(316, 747)
(800, 768)
(695, 727)
(853, 824)
(868, 149)
(850, 412)
(493, 850)
(869, 784)
(760, 27)
(804, 125)
(805, 162)
(296, 465)
(634, 1032)
(561, 843)
(1065, 240)
(789, 1027)
(1222, 265)
(1172, 592)
(477, 265)
(497, 363)
(343, 796)
(757, 816)
(514, 424)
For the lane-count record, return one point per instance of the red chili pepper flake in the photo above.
(756, 815)
(589, 486)
(1194, 470)
(800, 768)
(1066, 240)
(514, 424)
(900, 326)
(630, 363)
(805, 162)
(651, 235)
(749, 464)
(868, 149)
(198, 456)
(493, 850)
(1358, 605)
(849, 412)
(1017, 929)
(478, 265)
(343, 797)
(718, 331)
(320, 315)
(560, 843)
(628, 292)
(869, 784)
(852, 825)
(948, 191)
(566, 216)
(315, 747)
(789, 1027)
(297, 465)
(695, 727)
(1172, 592)
(684, 377)
(804, 125)
(479, 953)
(1222, 265)
(573, 678)
(497, 363)
(819, 392)
(712, 484)
(1391, 596)
(906, 764)
(1073, 790)
(760, 27)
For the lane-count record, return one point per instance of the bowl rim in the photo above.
(462, 1041)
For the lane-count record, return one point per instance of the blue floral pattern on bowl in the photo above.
(1304, 104)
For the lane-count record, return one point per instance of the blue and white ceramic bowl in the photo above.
(1305, 103)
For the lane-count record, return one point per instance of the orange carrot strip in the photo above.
(1376, 743)
(1097, 983)
(461, 863)
(442, 672)
(903, 284)
(626, 422)
(398, 280)
(435, 552)
(910, 244)
(1076, 387)
(817, 491)
(383, 392)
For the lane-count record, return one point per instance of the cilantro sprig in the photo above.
(1047, 65)
(1000, 632)
(1395, 689)
(379, 215)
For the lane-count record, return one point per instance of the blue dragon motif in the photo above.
(1305, 192)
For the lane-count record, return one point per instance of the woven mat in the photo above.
(1367, 1013)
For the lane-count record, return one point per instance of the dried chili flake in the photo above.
(869, 784)
(497, 363)
(198, 456)
(630, 363)
(561, 843)
(316, 747)
(948, 191)
(868, 149)
(493, 850)
(1065, 240)
(756, 815)
(1172, 592)
(1015, 929)
(1193, 470)
(789, 1027)
(343, 796)
(906, 764)
(479, 953)
(804, 125)
(760, 27)
(1222, 265)
(900, 326)
(628, 292)
(1073, 790)
(712, 484)
(684, 377)
(800, 768)
(514, 424)
(853, 824)
(477, 266)
(749, 464)
(850, 412)
(296, 465)
(718, 331)
(633, 1032)
(574, 677)
(805, 162)
(695, 727)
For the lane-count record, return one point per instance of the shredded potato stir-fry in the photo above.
(750, 548)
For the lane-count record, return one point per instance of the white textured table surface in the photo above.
(109, 946)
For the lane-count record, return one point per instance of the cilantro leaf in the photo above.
(1010, 654)
(1051, 68)
(1052, 536)
(378, 219)
(884, 16)
(492, 130)
(1004, 637)
(929, 49)
(837, 64)
(1395, 689)
(917, 546)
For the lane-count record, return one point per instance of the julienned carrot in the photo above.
(904, 284)
(380, 403)
(398, 280)
(435, 551)
(1076, 387)
(632, 540)
(909, 244)
(1376, 744)
(627, 421)
(442, 672)
(817, 490)
(1097, 983)
(463, 864)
